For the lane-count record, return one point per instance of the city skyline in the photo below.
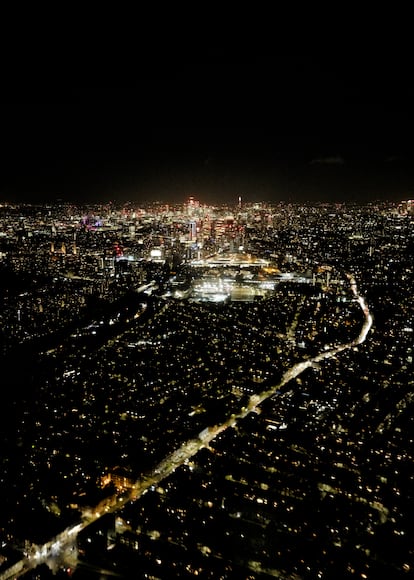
(220, 391)
(207, 317)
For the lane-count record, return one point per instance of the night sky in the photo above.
(267, 127)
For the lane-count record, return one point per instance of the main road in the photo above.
(61, 550)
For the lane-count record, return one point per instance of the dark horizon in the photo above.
(296, 128)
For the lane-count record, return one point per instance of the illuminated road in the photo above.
(61, 550)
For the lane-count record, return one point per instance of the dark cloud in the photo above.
(330, 160)
(393, 158)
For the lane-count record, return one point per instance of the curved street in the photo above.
(61, 550)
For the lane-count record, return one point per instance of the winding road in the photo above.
(61, 550)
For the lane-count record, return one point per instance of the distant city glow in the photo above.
(185, 378)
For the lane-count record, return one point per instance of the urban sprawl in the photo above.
(211, 391)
